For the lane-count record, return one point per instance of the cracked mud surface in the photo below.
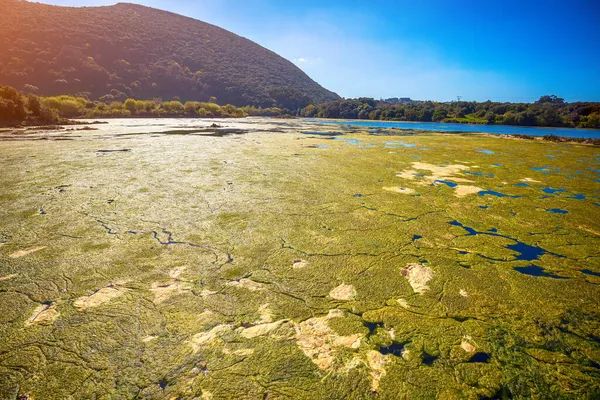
(279, 264)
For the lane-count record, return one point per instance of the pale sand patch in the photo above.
(418, 276)
(23, 253)
(7, 277)
(588, 229)
(463, 293)
(466, 344)
(403, 303)
(343, 292)
(44, 314)
(396, 189)
(318, 341)
(266, 315)
(206, 292)
(175, 272)
(148, 339)
(100, 297)
(441, 173)
(300, 264)
(377, 363)
(212, 336)
(248, 284)
(261, 329)
(206, 395)
(166, 290)
(239, 352)
(463, 190)
(529, 180)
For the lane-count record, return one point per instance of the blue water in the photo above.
(497, 194)
(447, 183)
(557, 211)
(494, 129)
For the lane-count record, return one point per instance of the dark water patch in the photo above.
(534, 270)
(163, 383)
(395, 349)
(113, 151)
(494, 230)
(577, 197)
(42, 211)
(539, 168)
(321, 133)
(484, 207)
(522, 184)
(461, 319)
(556, 211)
(496, 194)
(428, 359)
(358, 195)
(526, 251)
(416, 237)
(480, 358)
(464, 265)
(550, 190)
(132, 232)
(447, 183)
(372, 326)
(498, 165)
(594, 338)
(590, 272)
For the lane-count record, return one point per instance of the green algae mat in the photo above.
(275, 260)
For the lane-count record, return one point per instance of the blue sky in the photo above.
(429, 50)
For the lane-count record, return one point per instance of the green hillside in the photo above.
(129, 50)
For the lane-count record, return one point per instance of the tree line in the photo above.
(17, 108)
(550, 111)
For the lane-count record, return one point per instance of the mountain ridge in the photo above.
(131, 50)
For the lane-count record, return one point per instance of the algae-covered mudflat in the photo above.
(284, 259)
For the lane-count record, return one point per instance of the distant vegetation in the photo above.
(547, 111)
(130, 51)
(19, 109)
(551, 111)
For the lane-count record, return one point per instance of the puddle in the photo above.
(590, 272)
(556, 211)
(354, 142)
(485, 151)
(577, 197)
(540, 168)
(395, 349)
(526, 252)
(496, 194)
(416, 237)
(428, 359)
(372, 326)
(550, 190)
(395, 145)
(447, 183)
(534, 270)
(480, 358)
(522, 184)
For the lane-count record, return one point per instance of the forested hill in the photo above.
(129, 50)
